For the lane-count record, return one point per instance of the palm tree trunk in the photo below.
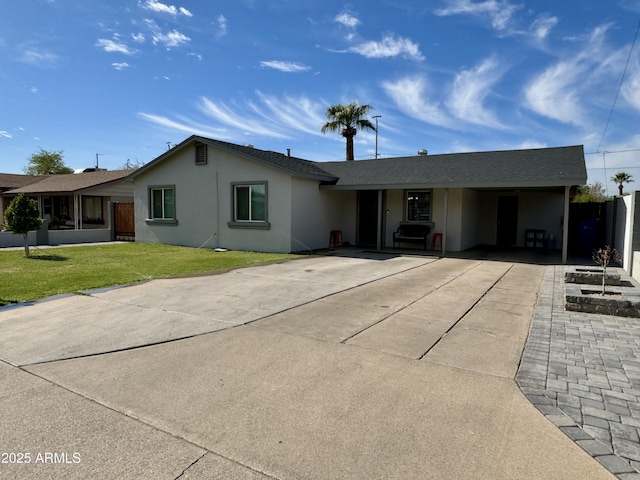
(620, 188)
(349, 148)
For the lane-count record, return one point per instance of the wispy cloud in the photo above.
(120, 66)
(268, 116)
(289, 67)
(5, 134)
(221, 23)
(470, 89)
(38, 58)
(347, 20)
(138, 37)
(562, 91)
(412, 95)
(389, 46)
(160, 7)
(114, 45)
(499, 12)
(542, 26)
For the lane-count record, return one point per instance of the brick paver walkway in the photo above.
(582, 371)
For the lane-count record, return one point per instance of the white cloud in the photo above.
(389, 46)
(171, 39)
(33, 89)
(347, 20)
(498, 11)
(221, 23)
(289, 67)
(470, 89)
(269, 117)
(542, 26)
(138, 37)
(38, 58)
(120, 66)
(411, 95)
(160, 7)
(631, 89)
(114, 46)
(5, 134)
(565, 90)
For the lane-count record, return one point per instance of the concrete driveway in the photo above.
(358, 367)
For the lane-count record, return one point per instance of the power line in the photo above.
(615, 100)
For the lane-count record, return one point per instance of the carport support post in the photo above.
(380, 223)
(444, 226)
(565, 225)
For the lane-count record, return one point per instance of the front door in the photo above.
(367, 218)
(507, 234)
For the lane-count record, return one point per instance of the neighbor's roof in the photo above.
(294, 166)
(72, 182)
(542, 167)
(9, 181)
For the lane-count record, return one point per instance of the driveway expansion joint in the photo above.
(582, 371)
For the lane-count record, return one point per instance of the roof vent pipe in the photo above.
(288, 152)
(423, 153)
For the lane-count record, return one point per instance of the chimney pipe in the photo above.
(288, 152)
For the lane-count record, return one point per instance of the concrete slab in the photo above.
(164, 310)
(58, 434)
(215, 467)
(294, 407)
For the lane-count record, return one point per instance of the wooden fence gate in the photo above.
(124, 220)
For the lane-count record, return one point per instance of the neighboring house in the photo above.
(72, 204)
(209, 193)
(9, 181)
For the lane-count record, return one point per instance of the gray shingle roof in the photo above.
(291, 165)
(72, 182)
(543, 167)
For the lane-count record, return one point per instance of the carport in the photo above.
(481, 198)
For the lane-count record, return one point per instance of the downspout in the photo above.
(565, 226)
(76, 212)
(446, 217)
(380, 226)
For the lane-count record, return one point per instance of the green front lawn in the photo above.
(52, 271)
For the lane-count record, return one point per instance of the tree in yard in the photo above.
(621, 178)
(44, 162)
(590, 193)
(348, 119)
(21, 217)
(603, 257)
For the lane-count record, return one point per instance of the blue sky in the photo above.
(122, 78)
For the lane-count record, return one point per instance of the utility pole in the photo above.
(377, 117)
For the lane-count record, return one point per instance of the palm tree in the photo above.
(621, 178)
(347, 119)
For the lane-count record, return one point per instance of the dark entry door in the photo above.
(368, 217)
(507, 234)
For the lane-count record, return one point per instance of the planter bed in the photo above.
(619, 301)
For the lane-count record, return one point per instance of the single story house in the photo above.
(209, 193)
(72, 203)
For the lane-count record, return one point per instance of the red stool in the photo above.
(335, 238)
(434, 237)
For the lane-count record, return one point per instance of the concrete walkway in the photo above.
(327, 367)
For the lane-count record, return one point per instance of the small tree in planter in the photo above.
(22, 216)
(603, 257)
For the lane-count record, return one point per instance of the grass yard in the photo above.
(52, 271)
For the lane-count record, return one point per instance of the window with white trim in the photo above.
(163, 203)
(418, 205)
(250, 202)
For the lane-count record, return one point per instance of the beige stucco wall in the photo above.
(537, 210)
(315, 212)
(203, 202)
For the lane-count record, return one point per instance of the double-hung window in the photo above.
(163, 203)
(250, 204)
(418, 207)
